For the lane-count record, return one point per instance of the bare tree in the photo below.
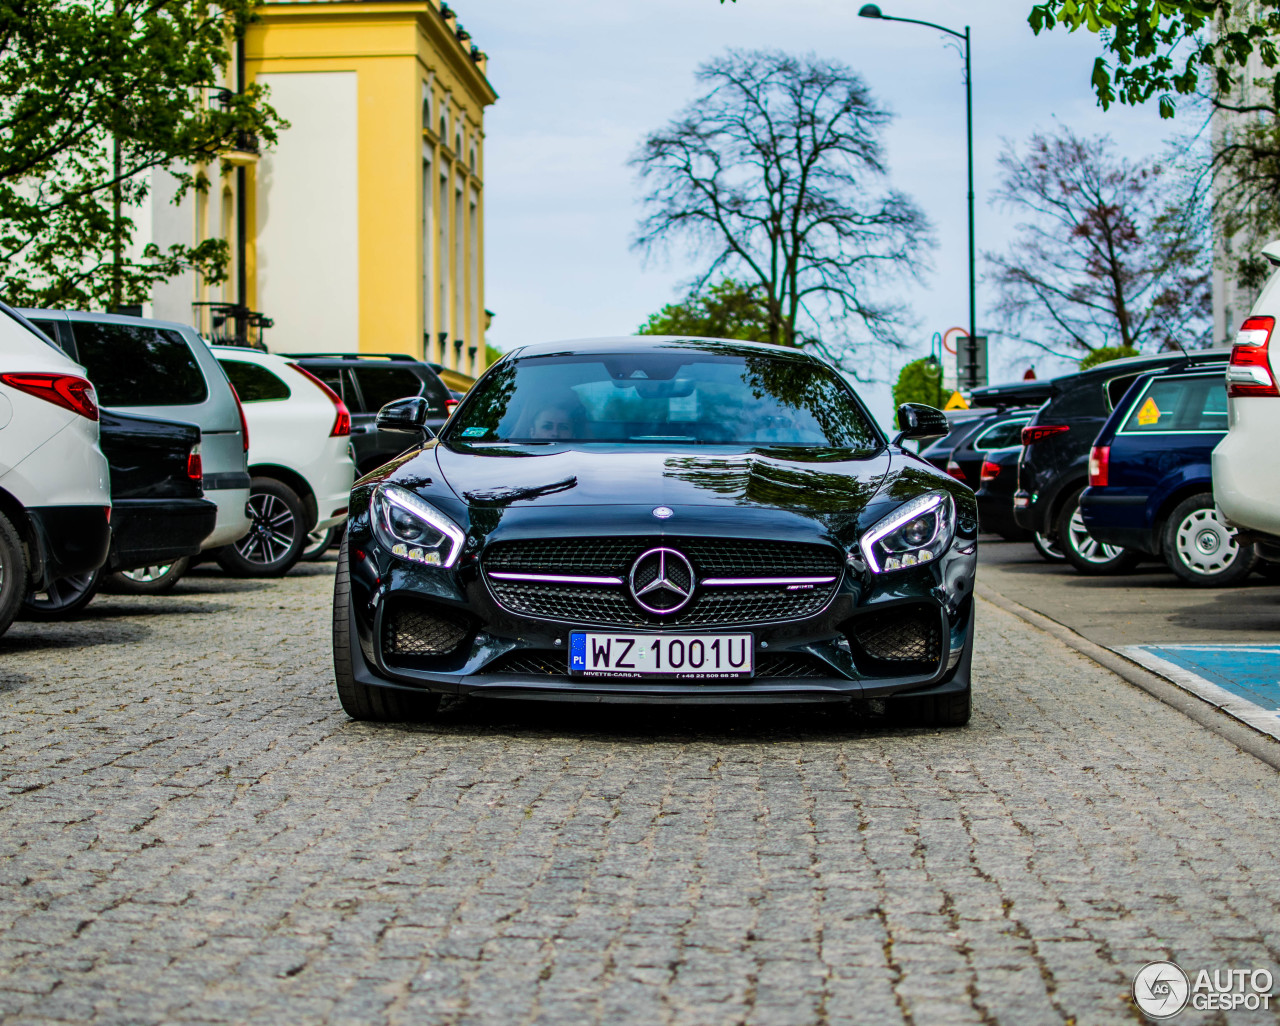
(1112, 252)
(776, 173)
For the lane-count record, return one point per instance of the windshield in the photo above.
(681, 398)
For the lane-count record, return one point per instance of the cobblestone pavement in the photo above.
(191, 831)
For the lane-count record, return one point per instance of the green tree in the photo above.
(1105, 354)
(1159, 48)
(727, 309)
(920, 381)
(93, 96)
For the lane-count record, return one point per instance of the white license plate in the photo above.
(688, 656)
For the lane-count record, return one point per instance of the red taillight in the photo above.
(1039, 432)
(342, 422)
(990, 471)
(244, 424)
(65, 390)
(954, 469)
(450, 405)
(195, 466)
(108, 509)
(1249, 372)
(1099, 465)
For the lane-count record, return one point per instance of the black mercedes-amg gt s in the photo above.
(658, 520)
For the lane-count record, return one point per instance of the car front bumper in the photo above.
(837, 669)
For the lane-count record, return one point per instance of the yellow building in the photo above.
(362, 229)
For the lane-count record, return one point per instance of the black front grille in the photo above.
(792, 664)
(711, 557)
(531, 662)
(907, 635)
(415, 630)
(611, 605)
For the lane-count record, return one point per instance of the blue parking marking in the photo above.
(577, 651)
(1251, 672)
(1242, 680)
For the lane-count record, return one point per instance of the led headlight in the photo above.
(916, 532)
(413, 529)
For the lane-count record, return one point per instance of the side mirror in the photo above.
(405, 415)
(916, 420)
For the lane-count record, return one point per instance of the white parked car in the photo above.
(55, 492)
(299, 460)
(1246, 463)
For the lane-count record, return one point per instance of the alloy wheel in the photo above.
(62, 593)
(1048, 546)
(273, 532)
(147, 574)
(1086, 546)
(1205, 544)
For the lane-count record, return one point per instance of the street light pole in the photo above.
(873, 11)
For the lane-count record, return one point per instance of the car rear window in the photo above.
(254, 383)
(1180, 404)
(337, 379)
(1001, 435)
(382, 385)
(951, 439)
(132, 365)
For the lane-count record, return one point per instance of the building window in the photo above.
(459, 273)
(444, 128)
(474, 312)
(473, 160)
(442, 308)
(426, 106)
(428, 245)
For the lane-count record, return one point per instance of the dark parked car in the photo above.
(659, 520)
(1150, 484)
(998, 479)
(993, 421)
(1054, 468)
(158, 514)
(367, 383)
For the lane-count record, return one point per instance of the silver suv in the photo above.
(164, 369)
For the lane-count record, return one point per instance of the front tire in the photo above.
(359, 701)
(13, 573)
(1083, 551)
(64, 597)
(1201, 549)
(147, 580)
(275, 542)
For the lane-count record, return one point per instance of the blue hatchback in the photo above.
(1150, 487)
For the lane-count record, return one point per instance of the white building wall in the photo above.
(307, 253)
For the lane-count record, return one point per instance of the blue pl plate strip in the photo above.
(577, 652)
(1243, 680)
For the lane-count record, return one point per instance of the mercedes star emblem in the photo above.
(662, 581)
(662, 512)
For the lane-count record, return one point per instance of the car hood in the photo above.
(803, 480)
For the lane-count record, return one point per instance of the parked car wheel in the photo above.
(278, 535)
(147, 580)
(318, 543)
(1082, 550)
(1201, 549)
(64, 597)
(1048, 548)
(359, 701)
(13, 573)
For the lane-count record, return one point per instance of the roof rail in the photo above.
(397, 357)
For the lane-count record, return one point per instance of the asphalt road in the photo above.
(1148, 605)
(191, 831)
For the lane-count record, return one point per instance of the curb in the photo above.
(1261, 746)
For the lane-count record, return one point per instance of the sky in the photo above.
(581, 82)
